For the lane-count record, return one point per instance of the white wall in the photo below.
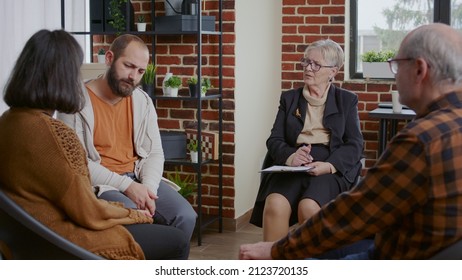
(258, 87)
(20, 19)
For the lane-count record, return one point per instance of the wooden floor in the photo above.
(225, 245)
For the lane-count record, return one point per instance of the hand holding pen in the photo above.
(302, 156)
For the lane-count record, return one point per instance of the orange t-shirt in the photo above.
(113, 133)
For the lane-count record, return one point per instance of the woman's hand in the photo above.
(302, 156)
(320, 168)
(145, 212)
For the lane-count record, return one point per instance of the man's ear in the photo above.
(422, 69)
(109, 58)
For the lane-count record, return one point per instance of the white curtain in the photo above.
(20, 19)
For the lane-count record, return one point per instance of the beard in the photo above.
(120, 87)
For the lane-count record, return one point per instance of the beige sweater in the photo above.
(44, 169)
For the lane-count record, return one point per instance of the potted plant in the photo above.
(149, 78)
(171, 86)
(375, 64)
(117, 15)
(141, 24)
(206, 84)
(192, 147)
(101, 56)
(192, 82)
(186, 184)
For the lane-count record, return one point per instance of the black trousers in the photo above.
(160, 242)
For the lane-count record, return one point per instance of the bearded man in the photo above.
(118, 128)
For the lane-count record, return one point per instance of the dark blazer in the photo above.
(340, 118)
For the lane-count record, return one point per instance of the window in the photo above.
(381, 25)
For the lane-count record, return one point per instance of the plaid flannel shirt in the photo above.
(411, 199)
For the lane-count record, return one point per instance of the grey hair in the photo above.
(441, 51)
(330, 51)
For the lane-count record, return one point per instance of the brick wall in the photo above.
(303, 22)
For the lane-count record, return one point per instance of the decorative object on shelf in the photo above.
(209, 143)
(141, 24)
(149, 78)
(171, 86)
(180, 23)
(101, 56)
(189, 7)
(172, 7)
(167, 76)
(187, 184)
(192, 147)
(375, 64)
(174, 144)
(117, 15)
(192, 84)
(206, 84)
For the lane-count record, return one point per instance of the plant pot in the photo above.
(141, 26)
(164, 88)
(169, 91)
(193, 91)
(377, 70)
(149, 89)
(194, 156)
(203, 91)
(101, 58)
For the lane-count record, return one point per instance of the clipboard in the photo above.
(283, 168)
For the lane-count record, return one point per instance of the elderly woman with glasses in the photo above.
(317, 126)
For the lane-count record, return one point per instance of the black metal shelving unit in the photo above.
(203, 220)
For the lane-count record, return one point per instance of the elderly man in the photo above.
(412, 199)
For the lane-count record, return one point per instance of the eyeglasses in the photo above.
(315, 67)
(394, 63)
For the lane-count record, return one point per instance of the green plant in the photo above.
(377, 56)
(206, 83)
(150, 74)
(192, 80)
(173, 82)
(186, 184)
(192, 145)
(141, 18)
(101, 51)
(118, 18)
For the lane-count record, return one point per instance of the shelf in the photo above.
(149, 33)
(187, 162)
(203, 220)
(207, 97)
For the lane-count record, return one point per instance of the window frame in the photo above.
(441, 13)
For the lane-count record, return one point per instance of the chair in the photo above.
(23, 237)
(452, 252)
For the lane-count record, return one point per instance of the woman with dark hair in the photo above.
(44, 166)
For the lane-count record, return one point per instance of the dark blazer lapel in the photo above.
(302, 107)
(331, 102)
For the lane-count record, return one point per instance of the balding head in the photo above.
(441, 46)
